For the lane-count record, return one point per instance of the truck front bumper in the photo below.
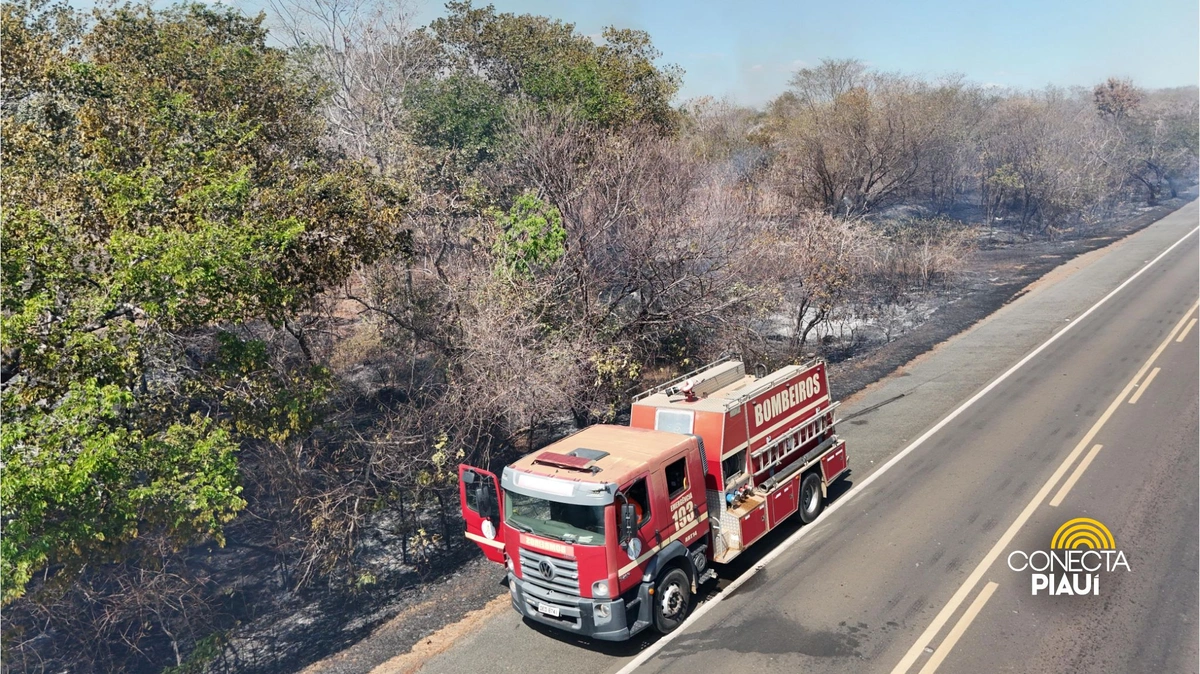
(606, 619)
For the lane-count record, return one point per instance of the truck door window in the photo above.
(637, 494)
(677, 478)
(473, 496)
(481, 482)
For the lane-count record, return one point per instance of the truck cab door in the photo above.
(482, 510)
(646, 532)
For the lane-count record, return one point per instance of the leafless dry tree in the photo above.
(369, 55)
(848, 141)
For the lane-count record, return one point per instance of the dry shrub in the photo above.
(924, 253)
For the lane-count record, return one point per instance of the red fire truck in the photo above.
(611, 530)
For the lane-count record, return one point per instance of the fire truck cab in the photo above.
(611, 530)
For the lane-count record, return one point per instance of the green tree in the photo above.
(612, 84)
(531, 236)
(460, 114)
(164, 183)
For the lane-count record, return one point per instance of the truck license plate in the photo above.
(548, 610)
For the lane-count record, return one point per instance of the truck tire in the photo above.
(672, 600)
(811, 500)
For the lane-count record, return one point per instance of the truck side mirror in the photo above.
(628, 526)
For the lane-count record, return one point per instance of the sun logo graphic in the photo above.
(1083, 532)
(1080, 551)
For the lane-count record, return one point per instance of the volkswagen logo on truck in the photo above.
(546, 569)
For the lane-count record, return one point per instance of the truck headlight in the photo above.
(509, 563)
(602, 613)
(600, 589)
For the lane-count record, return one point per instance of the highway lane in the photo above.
(862, 585)
(859, 591)
(1142, 485)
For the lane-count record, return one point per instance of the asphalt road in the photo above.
(908, 572)
(1142, 484)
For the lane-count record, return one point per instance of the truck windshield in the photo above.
(569, 522)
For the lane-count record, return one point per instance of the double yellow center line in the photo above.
(965, 589)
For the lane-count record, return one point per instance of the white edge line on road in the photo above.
(854, 491)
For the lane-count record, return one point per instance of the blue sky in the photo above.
(748, 50)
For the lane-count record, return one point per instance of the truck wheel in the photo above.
(811, 502)
(672, 600)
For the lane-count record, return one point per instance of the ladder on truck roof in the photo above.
(750, 392)
(684, 377)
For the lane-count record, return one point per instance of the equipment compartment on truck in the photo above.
(762, 436)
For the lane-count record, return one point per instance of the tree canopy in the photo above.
(612, 83)
(164, 181)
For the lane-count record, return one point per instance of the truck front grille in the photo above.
(564, 573)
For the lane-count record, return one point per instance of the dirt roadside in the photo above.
(439, 614)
